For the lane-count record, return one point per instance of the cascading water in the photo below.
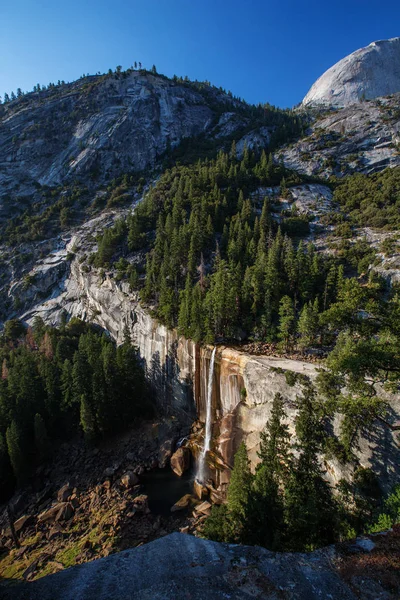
(201, 469)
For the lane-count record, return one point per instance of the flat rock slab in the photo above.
(180, 566)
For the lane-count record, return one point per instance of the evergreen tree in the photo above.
(286, 322)
(267, 502)
(307, 326)
(41, 438)
(87, 420)
(15, 452)
(238, 496)
(309, 506)
(6, 474)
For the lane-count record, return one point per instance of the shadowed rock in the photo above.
(180, 566)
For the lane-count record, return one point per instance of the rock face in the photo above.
(101, 126)
(361, 137)
(367, 73)
(180, 566)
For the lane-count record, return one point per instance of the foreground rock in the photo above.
(179, 566)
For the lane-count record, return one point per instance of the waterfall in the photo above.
(207, 437)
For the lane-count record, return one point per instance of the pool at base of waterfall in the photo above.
(163, 488)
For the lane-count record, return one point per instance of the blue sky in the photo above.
(262, 51)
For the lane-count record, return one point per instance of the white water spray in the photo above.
(207, 438)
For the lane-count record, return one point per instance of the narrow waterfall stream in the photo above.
(201, 469)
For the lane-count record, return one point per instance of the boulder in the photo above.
(129, 479)
(61, 511)
(64, 493)
(204, 508)
(141, 504)
(199, 489)
(66, 512)
(180, 461)
(183, 503)
(22, 522)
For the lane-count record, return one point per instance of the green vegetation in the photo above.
(371, 200)
(59, 382)
(287, 504)
(217, 260)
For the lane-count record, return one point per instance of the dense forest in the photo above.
(58, 382)
(218, 262)
(371, 200)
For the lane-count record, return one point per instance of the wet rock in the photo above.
(216, 496)
(199, 489)
(204, 508)
(66, 512)
(183, 503)
(180, 461)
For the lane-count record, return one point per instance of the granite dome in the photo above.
(367, 73)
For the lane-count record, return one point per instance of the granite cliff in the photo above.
(366, 74)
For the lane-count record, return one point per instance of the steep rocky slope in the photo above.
(367, 73)
(99, 125)
(362, 137)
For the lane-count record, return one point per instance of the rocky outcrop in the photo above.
(180, 566)
(362, 137)
(365, 74)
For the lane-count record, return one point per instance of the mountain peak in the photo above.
(367, 73)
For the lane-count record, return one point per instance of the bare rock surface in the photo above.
(367, 73)
(362, 137)
(180, 566)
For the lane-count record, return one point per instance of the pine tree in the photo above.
(6, 474)
(267, 502)
(286, 322)
(307, 326)
(238, 496)
(87, 420)
(309, 506)
(41, 438)
(14, 447)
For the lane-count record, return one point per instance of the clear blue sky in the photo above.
(262, 50)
